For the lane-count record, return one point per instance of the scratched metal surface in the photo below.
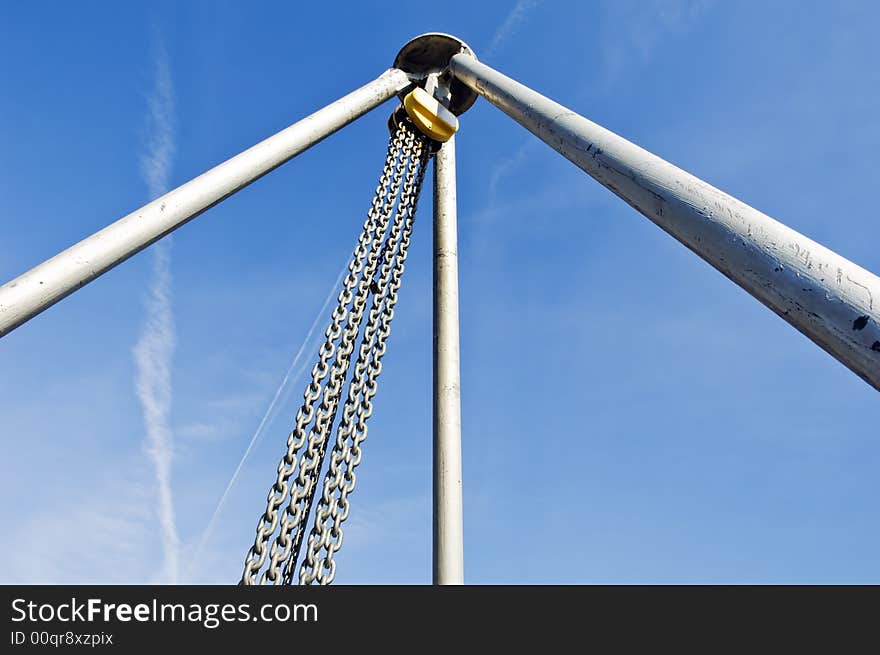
(828, 298)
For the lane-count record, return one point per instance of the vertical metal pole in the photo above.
(448, 529)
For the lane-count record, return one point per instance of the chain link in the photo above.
(310, 467)
(326, 536)
(376, 265)
(389, 182)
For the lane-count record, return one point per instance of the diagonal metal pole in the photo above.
(448, 531)
(828, 298)
(41, 287)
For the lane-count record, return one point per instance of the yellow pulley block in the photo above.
(432, 118)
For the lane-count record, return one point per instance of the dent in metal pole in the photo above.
(44, 285)
(448, 523)
(831, 300)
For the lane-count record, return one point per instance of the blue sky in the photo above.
(629, 415)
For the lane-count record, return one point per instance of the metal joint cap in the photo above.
(431, 53)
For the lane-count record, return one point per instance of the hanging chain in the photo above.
(293, 519)
(402, 175)
(339, 482)
(287, 467)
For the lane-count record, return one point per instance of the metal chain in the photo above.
(327, 535)
(369, 331)
(388, 186)
(294, 519)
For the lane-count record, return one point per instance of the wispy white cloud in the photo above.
(633, 30)
(509, 164)
(159, 152)
(154, 351)
(509, 26)
(95, 536)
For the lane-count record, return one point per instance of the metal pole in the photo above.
(448, 529)
(831, 300)
(44, 285)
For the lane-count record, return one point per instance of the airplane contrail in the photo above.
(292, 375)
(154, 351)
